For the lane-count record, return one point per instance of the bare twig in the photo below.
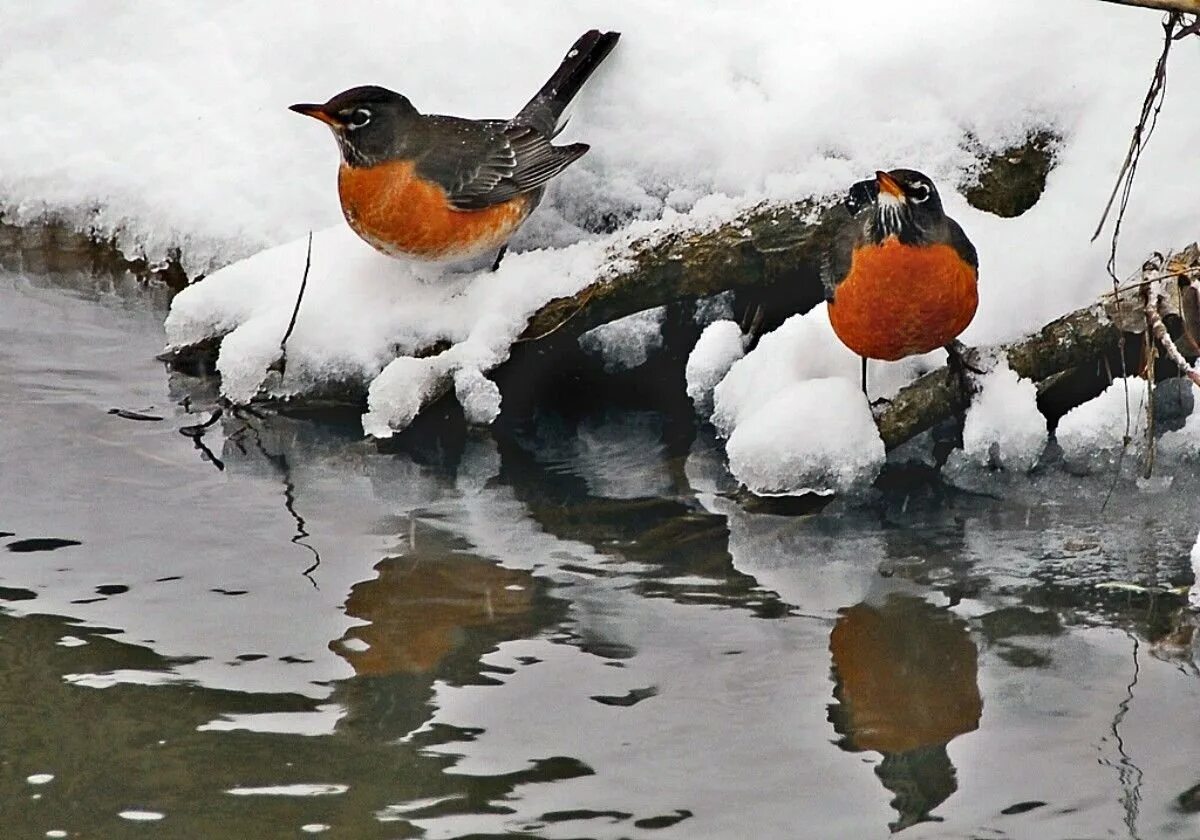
(1151, 106)
(282, 364)
(1159, 329)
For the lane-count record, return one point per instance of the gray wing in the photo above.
(960, 243)
(835, 262)
(487, 163)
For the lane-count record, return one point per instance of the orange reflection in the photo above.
(905, 685)
(420, 608)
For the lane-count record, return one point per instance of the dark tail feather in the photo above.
(546, 108)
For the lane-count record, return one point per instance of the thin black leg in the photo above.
(864, 378)
(499, 256)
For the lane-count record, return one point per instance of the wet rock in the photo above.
(1011, 181)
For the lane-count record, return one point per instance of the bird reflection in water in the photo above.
(905, 684)
(421, 609)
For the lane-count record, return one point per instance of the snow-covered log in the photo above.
(769, 251)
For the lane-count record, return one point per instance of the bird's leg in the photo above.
(864, 378)
(499, 256)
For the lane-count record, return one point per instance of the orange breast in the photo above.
(900, 300)
(401, 214)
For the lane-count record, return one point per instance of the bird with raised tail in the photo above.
(447, 189)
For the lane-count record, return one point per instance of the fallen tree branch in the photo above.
(1069, 360)
(1184, 6)
(1077, 339)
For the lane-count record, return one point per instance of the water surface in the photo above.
(570, 629)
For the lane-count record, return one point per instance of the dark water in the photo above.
(568, 631)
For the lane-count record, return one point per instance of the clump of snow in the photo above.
(817, 435)
(478, 395)
(804, 347)
(1093, 434)
(361, 310)
(719, 346)
(1194, 592)
(1003, 425)
(627, 342)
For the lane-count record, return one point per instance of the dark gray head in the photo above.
(371, 124)
(903, 203)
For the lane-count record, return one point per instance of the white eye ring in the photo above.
(358, 118)
(918, 192)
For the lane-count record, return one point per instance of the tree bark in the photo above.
(1190, 7)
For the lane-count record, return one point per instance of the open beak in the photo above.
(889, 185)
(317, 112)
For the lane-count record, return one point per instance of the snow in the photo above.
(627, 342)
(360, 310)
(804, 348)
(719, 346)
(164, 126)
(1003, 425)
(815, 435)
(1194, 592)
(1092, 435)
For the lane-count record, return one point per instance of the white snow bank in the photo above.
(361, 309)
(1003, 425)
(719, 346)
(1091, 435)
(804, 347)
(166, 124)
(817, 435)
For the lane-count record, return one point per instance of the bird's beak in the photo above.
(889, 185)
(317, 112)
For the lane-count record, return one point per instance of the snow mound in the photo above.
(361, 310)
(816, 436)
(1093, 434)
(1003, 425)
(719, 346)
(804, 347)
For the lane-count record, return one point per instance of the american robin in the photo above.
(902, 277)
(441, 188)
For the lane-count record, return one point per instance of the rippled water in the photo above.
(569, 629)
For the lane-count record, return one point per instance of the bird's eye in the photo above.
(918, 192)
(359, 118)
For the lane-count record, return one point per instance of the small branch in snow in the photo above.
(280, 364)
